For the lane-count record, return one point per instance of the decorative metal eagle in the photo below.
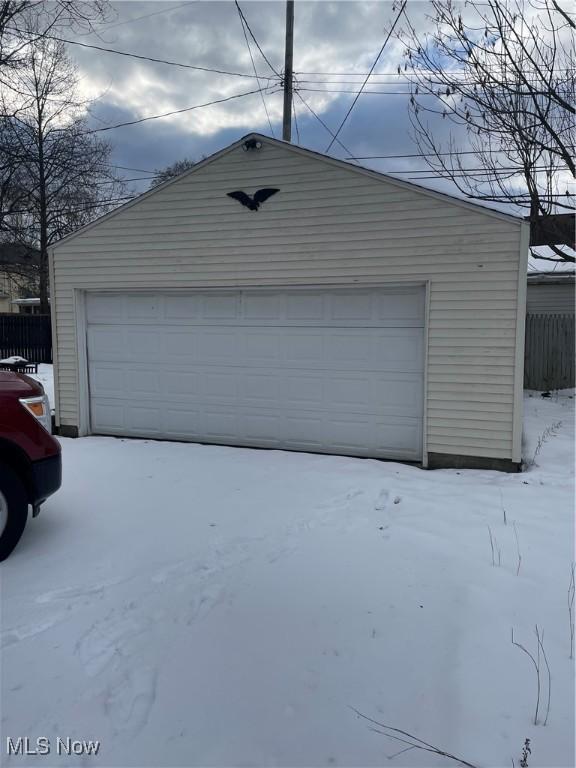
(253, 203)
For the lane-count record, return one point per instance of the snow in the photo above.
(13, 359)
(192, 605)
(45, 377)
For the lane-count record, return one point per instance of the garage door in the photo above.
(335, 371)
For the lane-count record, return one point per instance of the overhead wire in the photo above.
(376, 60)
(252, 35)
(242, 22)
(143, 58)
(87, 206)
(139, 18)
(295, 120)
(377, 93)
(327, 128)
(175, 111)
(402, 73)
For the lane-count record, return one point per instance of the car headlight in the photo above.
(39, 407)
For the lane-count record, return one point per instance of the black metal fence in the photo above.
(549, 353)
(28, 336)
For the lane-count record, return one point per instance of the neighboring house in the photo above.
(27, 306)
(550, 293)
(353, 313)
(18, 275)
(550, 335)
(8, 291)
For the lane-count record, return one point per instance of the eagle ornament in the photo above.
(253, 203)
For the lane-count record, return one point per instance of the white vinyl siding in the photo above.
(328, 226)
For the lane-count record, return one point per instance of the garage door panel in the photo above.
(359, 435)
(220, 306)
(143, 307)
(181, 423)
(219, 422)
(180, 384)
(144, 418)
(402, 351)
(106, 343)
(182, 308)
(263, 306)
(305, 307)
(330, 349)
(177, 344)
(107, 380)
(142, 343)
(299, 390)
(104, 308)
(109, 416)
(351, 306)
(303, 348)
(243, 368)
(260, 346)
(399, 394)
(214, 345)
(144, 382)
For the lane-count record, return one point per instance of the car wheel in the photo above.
(13, 510)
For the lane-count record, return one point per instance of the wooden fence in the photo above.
(549, 353)
(28, 336)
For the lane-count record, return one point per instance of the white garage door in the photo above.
(336, 371)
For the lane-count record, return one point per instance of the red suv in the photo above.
(30, 458)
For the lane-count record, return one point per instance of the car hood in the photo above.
(19, 384)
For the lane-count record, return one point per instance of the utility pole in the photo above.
(288, 64)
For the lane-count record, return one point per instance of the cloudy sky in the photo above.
(335, 44)
(340, 39)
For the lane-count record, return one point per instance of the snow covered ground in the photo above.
(191, 605)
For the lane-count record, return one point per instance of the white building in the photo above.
(351, 313)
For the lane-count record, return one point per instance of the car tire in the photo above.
(13, 510)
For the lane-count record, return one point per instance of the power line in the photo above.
(140, 57)
(404, 73)
(309, 108)
(416, 154)
(296, 121)
(126, 168)
(254, 66)
(377, 93)
(123, 180)
(464, 171)
(139, 18)
(87, 206)
(376, 60)
(175, 112)
(245, 20)
(463, 81)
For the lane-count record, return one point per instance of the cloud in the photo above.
(341, 36)
(334, 43)
(329, 37)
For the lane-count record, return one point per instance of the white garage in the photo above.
(339, 371)
(278, 298)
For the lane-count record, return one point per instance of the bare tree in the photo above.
(171, 171)
(57, 175)
(24, 20)
(502, 74)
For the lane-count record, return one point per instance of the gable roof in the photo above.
(358, 169)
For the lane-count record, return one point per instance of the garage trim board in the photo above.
(329, 370)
